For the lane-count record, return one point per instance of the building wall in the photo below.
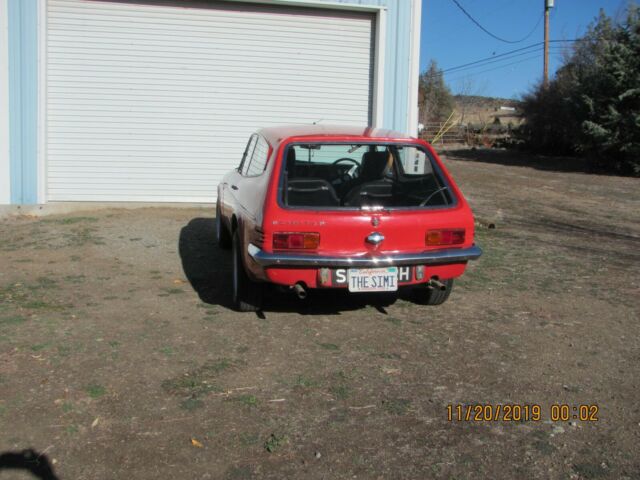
(5, 171)
(19, 165)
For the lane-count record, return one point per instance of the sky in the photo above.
(452, 39)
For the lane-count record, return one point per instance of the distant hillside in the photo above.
(477, 109)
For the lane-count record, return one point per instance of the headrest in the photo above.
(373, 165)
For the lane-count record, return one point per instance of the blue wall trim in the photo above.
(23, 96)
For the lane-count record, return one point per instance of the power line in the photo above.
(492, 57)
(495, 68)
(504, 56)
(493, 35)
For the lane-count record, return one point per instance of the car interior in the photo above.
(361, 176)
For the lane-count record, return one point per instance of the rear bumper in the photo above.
(433, 257)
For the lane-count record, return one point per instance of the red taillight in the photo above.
(296, 241)
(450, 236)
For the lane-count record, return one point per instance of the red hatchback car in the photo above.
(338, 207)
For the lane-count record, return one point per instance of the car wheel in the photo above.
(425, 295)
(247, 295)
(223, 238)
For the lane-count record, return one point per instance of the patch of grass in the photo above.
(173, 291)
(393, 320)
(396, 406)
(248, 400)
(67, 407)
(135, 239)
(247, 439)
(544, 447)
(242, 472)
(71, 429)
(75, 279)
(114, 343)
(70, 220)
(38, 346)
(389, 356)
(341, 392)
(191, 404)
(95, 390)
(329, 346)
(168, 351)
(306, 382)
(75, 258)
(197, 382)
(589, 470)
(274, 442)
(12, 320)
(64, 350)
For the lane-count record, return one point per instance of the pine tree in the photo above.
(435, 99)
(592, 105)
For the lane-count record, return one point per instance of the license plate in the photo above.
(373, 279)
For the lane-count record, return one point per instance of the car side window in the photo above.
(248, 152)
(259, 158)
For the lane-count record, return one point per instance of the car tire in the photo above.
(433, 296)
(223, 237)
(247, 294)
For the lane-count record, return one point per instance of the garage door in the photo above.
(150, 101)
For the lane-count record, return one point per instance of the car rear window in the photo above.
(326, 175)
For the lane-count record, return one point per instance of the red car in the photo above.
(366, 210)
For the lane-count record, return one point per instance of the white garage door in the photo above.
(149, 101)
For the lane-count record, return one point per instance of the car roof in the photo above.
(283, 132)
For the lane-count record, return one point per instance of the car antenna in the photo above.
(317, 121)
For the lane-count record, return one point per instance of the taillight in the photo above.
(296, 241)
(450, 236)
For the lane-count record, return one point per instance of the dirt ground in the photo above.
(120, 356)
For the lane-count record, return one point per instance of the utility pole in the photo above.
(548, 5)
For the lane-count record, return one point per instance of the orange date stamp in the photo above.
(512, 412)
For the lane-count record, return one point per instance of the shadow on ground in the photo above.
(514, 158)
(208, 269)
(29, 460)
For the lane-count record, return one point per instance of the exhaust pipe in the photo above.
(435, 283)
(300, 291)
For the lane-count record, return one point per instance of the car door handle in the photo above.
(234, 187)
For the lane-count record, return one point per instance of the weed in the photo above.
(197, 382)
(248, 400)
(75, 278)
(341, 392)
(274, 442)
(389, 356)
(173, 291)
(71, 429)
(67, 407)
(247, 439)
(398, 406)
(168, 351)
(589, 470)
(191, 404)
(306, 382)
(39, 346)
(95, 390)
(70, 220)
(393, 320)
(329, 346)
(64, 350)
(13, 320)
(114, 343)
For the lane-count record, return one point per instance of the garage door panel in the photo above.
(153, 102)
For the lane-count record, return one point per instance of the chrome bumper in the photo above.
(433, 257)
